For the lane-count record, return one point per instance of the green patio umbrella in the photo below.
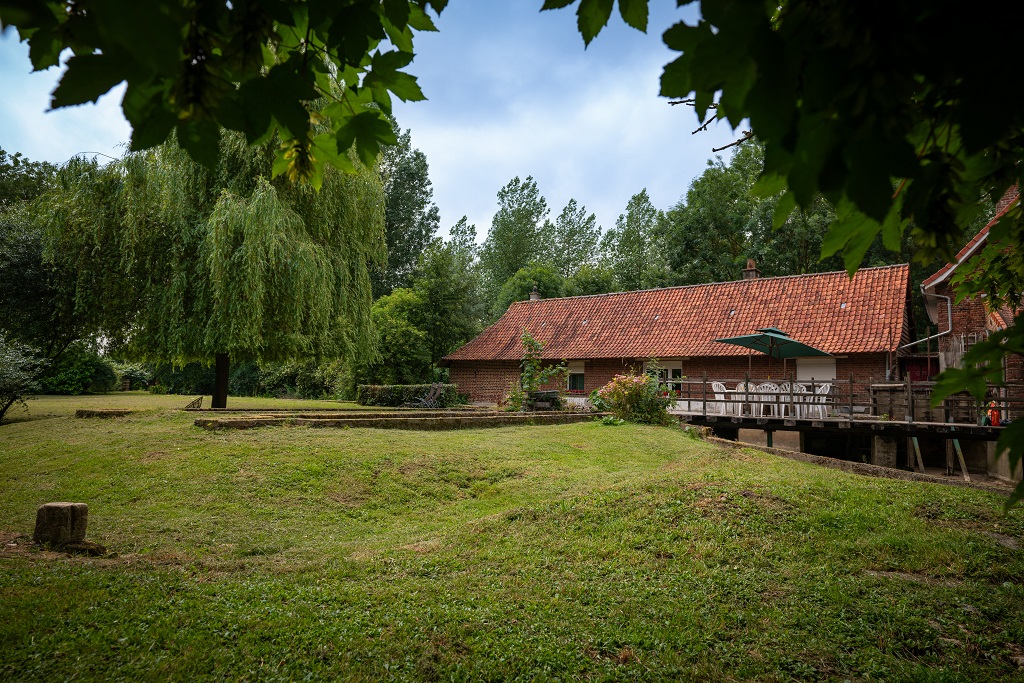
(775, 344)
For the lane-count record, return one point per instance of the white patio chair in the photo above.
(784, 399)
(744, 393)
(719, 405)
(819, 402)
(801, 398)
(768, 395)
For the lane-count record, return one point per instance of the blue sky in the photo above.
(511, 92)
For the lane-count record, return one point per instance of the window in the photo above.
(670, 373)
(576, 377)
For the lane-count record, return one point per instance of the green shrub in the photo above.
(135, 375)
(636, 398)
(244, 379)
(597, 402)
(79, 370)
(18, 369)
(394, 395)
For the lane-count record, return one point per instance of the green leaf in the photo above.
(44, 48)
(87, 78)
(325, 148)
(768, 185)
(400, 38)
(420, 20)
(592, 16)
(281, 162)
(675, 79)
(853, 232)
(151, 32)
(144, 108)
(555, 4)
(405, 87)
(369, 131)
(634, 13)
(396, 12)
(787, 202)
(201, 139)
(391, 61)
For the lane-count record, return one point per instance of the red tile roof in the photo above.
(826, 310)
(1002, 207)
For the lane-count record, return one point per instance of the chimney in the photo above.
(535, 295)
(751, 272)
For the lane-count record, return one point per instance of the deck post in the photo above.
(851, 396)
(792, 413)
(704, 401)
(813, 399)
(910, 400)
(746, 393)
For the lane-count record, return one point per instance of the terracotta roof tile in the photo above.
(825, 310)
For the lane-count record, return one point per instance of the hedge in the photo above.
(394, 395)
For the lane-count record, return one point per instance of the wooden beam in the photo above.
(917, 453)
(960, 455)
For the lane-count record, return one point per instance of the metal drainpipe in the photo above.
(949, 320)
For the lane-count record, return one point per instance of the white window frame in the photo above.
(576, 367)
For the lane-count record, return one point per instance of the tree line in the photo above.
(155, 258)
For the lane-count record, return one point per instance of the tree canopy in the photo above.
(634, 247)
(184, 264)
(260, 67)
(519, 231)
(410, 216)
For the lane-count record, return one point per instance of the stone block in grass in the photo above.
(61, 523)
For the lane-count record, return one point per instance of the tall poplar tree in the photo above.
(410, 216)
(574, 239)
(519, 231)
(634, 247)
(184, 264)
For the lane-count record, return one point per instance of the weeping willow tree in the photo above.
(185, 264)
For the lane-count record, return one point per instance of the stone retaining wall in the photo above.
(400, 422)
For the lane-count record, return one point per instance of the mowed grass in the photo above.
(44, 407)
(576, 552)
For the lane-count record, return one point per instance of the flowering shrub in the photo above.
(637, 398)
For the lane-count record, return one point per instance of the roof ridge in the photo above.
(711, 284)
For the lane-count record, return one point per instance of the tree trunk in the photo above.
(220, 382)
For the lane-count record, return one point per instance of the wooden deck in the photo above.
(861, 425)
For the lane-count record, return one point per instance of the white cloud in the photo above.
(600, 140)
(512, 93)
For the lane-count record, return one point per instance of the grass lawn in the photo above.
(43, 407)
(575, 552)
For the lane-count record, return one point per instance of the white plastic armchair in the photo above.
(801, 399)
(768, 395)
(819, 405)
(719, 405)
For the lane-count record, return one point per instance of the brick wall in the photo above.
(484, 380)
(490, 380)
(969, 316)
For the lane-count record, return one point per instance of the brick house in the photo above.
(862, 322)
(963, 324)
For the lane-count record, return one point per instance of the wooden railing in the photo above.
(842, 399)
